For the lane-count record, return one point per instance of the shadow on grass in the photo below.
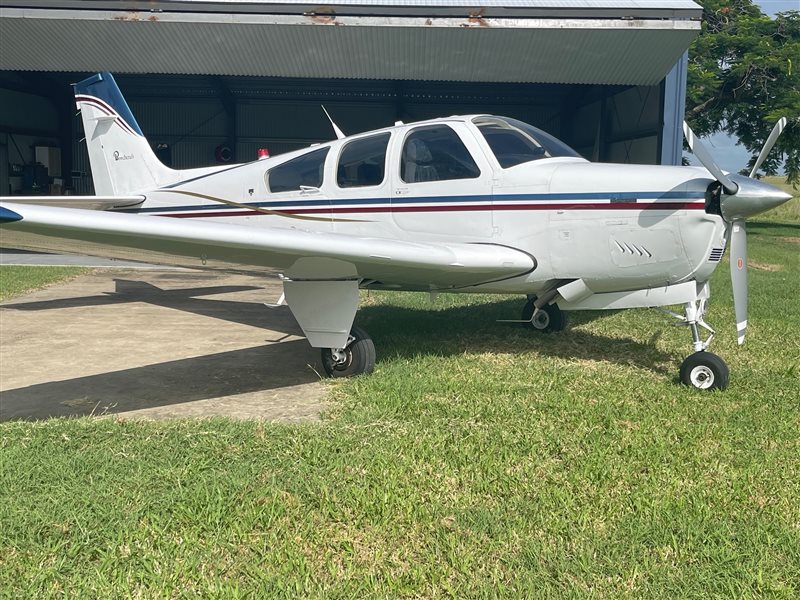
(408, 332)
(398, 332)
(769, 228)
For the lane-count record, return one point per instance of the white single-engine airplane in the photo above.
(465, 204)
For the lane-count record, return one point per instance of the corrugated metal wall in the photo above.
(26, 121)
(634, 126)
(189, 114)
(620, 125)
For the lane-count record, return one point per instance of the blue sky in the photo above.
(724, 148)
(775, 6)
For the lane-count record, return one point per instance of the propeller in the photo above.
(773, 137)
(705, 159)
(743, 197)
(738, 256)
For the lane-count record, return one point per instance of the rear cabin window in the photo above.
(303, 171)
(363, 162)
(436, 153)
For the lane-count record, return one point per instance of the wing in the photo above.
(300, 255)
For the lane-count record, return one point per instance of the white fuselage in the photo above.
(616, 227)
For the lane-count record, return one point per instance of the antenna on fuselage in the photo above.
(336, 130)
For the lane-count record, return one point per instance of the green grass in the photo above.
(479, 460)
(18, 280)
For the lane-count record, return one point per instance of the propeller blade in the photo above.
(773, 137)
(705, 159)
(738, 234)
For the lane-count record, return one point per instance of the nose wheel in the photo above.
(705, 371)
(356, 358)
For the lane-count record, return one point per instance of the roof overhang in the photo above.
(622, 42)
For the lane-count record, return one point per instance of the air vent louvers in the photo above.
(716, 255)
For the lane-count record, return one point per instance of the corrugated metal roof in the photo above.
(608, 51)
(517, 8)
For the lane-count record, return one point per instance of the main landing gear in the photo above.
(547, 318)
(356, 358)
(702, 370)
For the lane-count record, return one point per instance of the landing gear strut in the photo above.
(702, 370)
(356, 358)
(548, 318)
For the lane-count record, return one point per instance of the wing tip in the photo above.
(8, 215)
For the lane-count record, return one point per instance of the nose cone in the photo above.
(753, 197)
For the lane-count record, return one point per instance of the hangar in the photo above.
(215, 80)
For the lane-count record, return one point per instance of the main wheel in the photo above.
(705, 371)
(549, 317)
(356, 358)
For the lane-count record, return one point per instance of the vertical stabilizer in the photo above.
(121, 158)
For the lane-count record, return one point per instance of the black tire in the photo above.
(705, 371)
(359, 356)
(549, 318)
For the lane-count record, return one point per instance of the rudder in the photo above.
(121, 159)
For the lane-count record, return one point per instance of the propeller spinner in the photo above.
(743, 197)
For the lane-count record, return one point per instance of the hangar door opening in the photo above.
(195, 121)
(213, 81)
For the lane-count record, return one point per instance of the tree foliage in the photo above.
(744, 74)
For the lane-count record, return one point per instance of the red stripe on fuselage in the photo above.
(482, 207)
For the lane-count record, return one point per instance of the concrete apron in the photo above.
(156, 344)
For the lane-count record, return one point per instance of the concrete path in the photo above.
(156, 344)
(39, 259)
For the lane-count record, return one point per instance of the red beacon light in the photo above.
(263, 153)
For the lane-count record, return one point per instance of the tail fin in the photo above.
(122, 161)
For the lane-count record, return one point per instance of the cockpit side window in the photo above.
(514, 142)
(304, 171)
(363, 162)
(436, 153)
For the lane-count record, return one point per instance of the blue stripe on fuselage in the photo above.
(323, 203)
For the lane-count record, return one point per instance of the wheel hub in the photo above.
(340, 355)
(540, 319)
(702, 377)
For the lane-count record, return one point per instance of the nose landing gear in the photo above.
(702, 370)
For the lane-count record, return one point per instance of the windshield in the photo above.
(514, 142)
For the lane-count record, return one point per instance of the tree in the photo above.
(744, 74)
